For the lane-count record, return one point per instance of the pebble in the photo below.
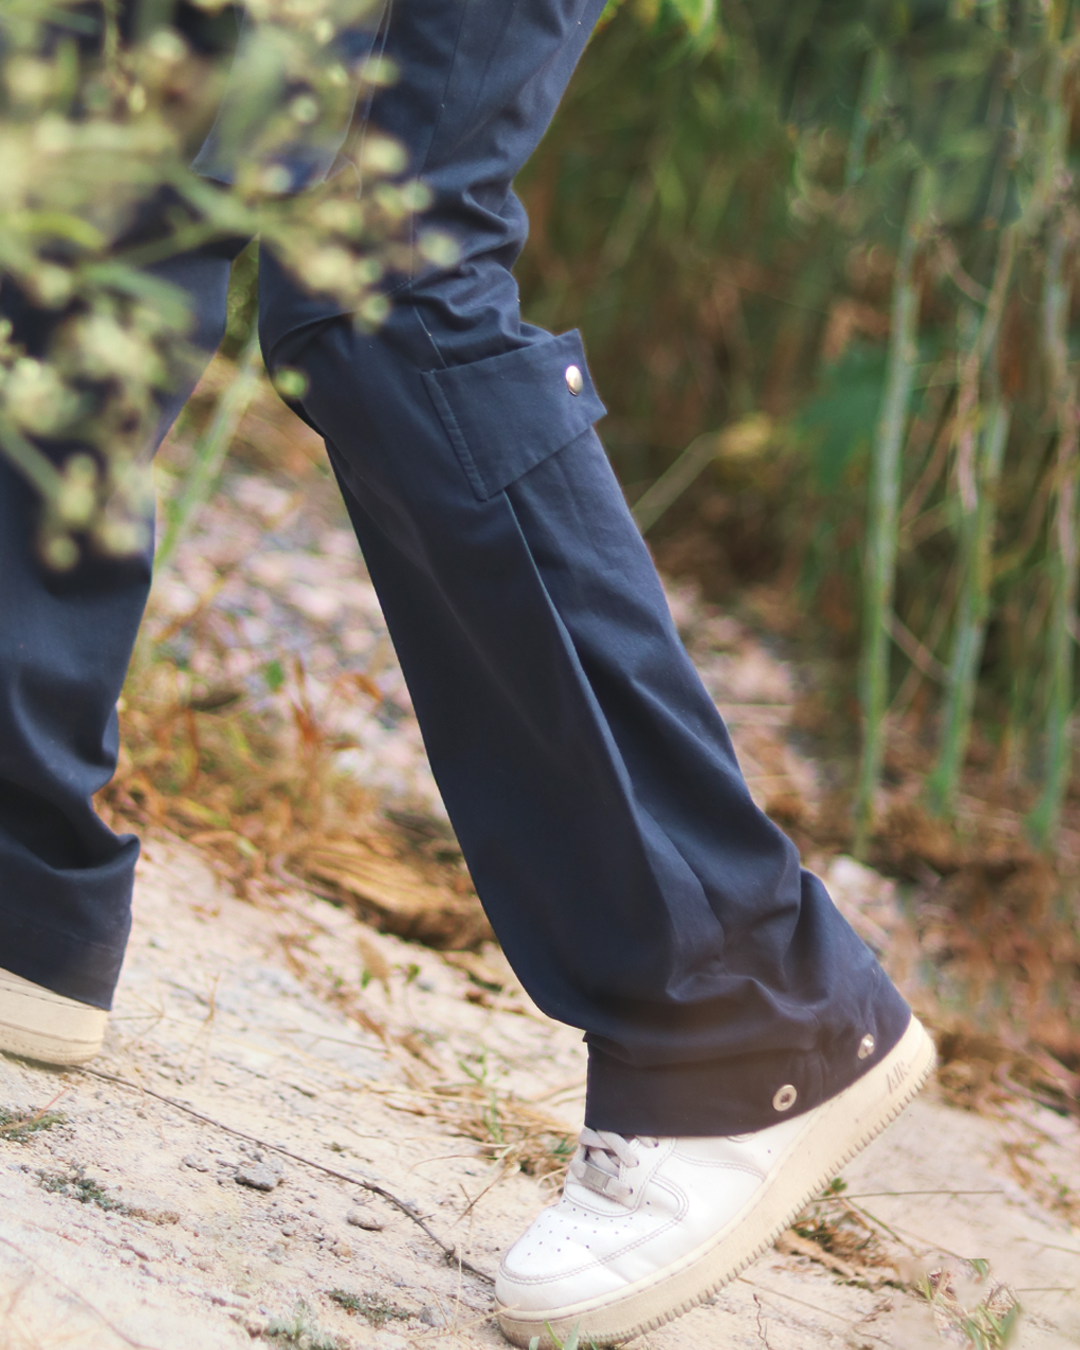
(196, 1163)
(142, 1251)
(258, 1176)
(362, 1218)
(223, 1299)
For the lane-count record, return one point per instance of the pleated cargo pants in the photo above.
(635, 887)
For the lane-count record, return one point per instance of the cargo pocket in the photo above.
(508, 413)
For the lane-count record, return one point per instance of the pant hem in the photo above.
(63, 962)
(739, 1094)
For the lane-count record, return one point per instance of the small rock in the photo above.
(362, 1218)
(432, 1317)
(258, 1176)
(141, 1251)
(223, 1299)
(196, 1163)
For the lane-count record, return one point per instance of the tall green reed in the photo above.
(732, 222)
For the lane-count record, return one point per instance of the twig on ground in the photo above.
(805, 1303)
(761, 1325)
(873, 1195)
(450, 1252)
(29, 1122)
(892, 1232)
(793, 1244)
(469, 1207)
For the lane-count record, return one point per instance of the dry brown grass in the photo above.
(969, 1307)
(264, 803)
(510, 1131)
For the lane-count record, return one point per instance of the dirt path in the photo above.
(140, 1210)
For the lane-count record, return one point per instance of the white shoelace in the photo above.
(603, 1160)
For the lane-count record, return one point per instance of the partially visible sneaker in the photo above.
(647, 1228)
(39, 1024)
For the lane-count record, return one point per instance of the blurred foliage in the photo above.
(102, 108)
(860, 220)
(825, 255)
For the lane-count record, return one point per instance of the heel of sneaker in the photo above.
(39, 1024)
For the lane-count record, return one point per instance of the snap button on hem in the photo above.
(866, 1046)
(575, 381)
(784, 1099)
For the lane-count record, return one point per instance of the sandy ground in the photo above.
(272, 1075)
(306, 1133)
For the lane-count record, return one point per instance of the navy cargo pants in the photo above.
(635, 887)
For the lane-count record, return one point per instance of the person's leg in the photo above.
(65, 642)
(635, 887)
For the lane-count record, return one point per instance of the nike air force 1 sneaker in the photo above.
(647, 1228)
(39, 1024)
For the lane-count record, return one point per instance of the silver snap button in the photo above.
(785, 1098)
(575, 381)
(866, 1047)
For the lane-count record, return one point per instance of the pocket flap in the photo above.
(506, 414)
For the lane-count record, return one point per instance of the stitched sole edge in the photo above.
(74, 1036)
(875, 1100)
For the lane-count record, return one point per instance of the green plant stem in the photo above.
(880, 563)
(29, 460)
(674, 481)
(973, 612)
(873, 86)
(1064, 552)
(981, 450)
(211, 448)
(1044, 820)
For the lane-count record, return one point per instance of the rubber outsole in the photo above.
(843, 1128)
(38, 1024)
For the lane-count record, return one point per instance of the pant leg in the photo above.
(65, 643)
(635, 887)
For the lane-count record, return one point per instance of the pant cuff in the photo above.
(63, 962)
(738, 1094)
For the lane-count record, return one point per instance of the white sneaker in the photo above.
(39, 1024)
(647, 1228)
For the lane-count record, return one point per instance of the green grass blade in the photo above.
(211, 449)
(884, 505)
